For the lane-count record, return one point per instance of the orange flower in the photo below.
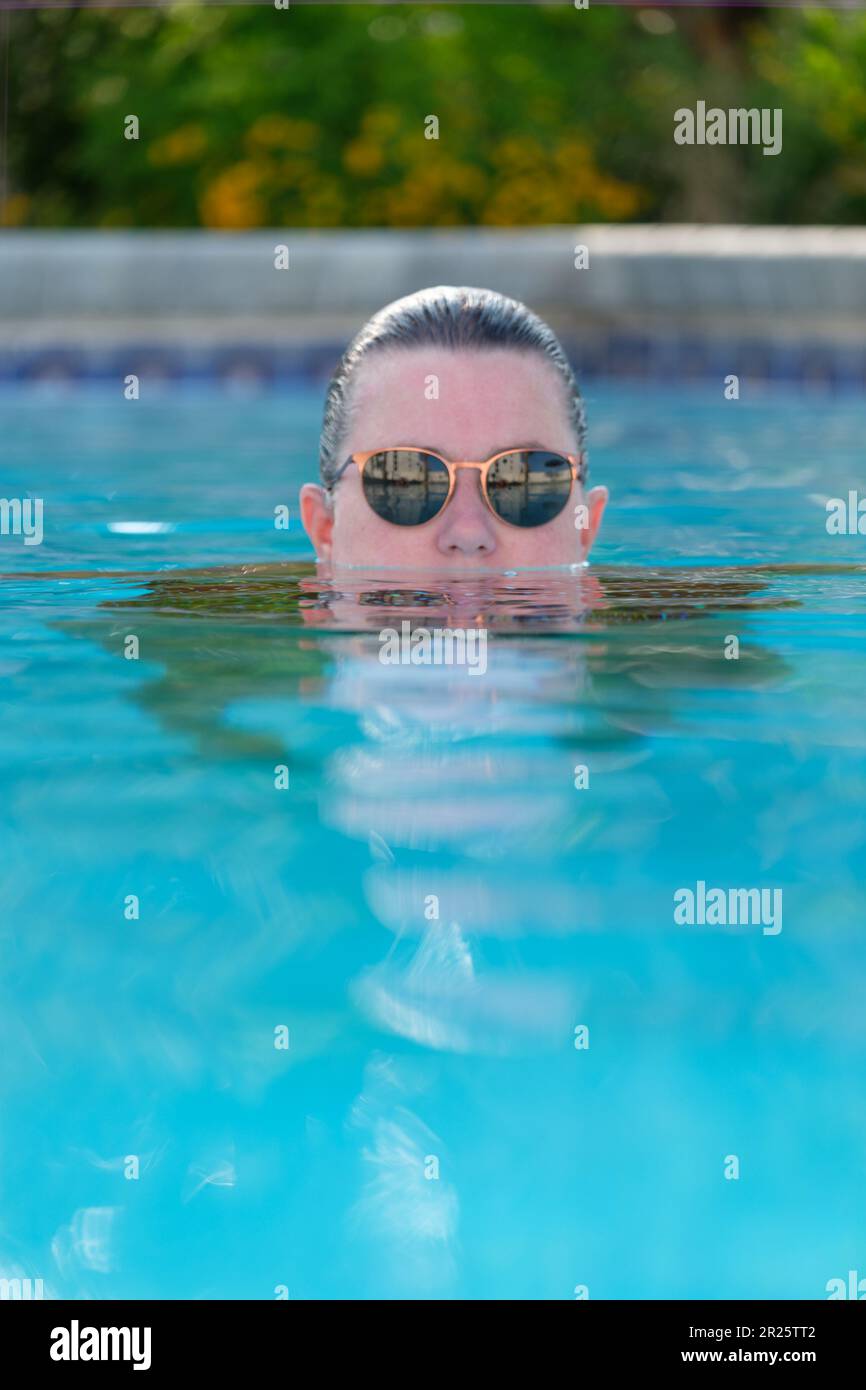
(233, 199)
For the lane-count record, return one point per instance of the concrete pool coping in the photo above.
(660, 294)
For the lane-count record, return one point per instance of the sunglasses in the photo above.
(522, 487)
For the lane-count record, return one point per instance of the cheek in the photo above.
(362, 538)
(555, 544)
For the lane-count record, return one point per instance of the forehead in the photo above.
(463, 403)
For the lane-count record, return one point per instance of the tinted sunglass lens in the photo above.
(529, 486)
(405, 486)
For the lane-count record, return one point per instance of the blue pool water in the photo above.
(431, 908)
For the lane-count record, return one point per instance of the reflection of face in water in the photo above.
(453, 782)
(486, 402)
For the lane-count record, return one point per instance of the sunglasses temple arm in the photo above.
(338, 475)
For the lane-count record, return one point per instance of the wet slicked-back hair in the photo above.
(442, 317)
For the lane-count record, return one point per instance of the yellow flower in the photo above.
(232, 200)
(14, 210)
(281, 133)
(362, 158)
(382, 121)
(182, 146)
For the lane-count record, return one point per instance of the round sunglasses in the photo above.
(408, 486)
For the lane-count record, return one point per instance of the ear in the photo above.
(596, 501)
(317, 517)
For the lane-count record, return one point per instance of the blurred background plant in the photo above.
(315, 116)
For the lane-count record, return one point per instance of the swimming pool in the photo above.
(343, 1039)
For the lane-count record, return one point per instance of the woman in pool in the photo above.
(453, 437)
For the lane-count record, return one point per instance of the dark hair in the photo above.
(442, 317)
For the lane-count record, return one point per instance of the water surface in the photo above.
(431, 907)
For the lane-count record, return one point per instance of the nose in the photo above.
(467, 527)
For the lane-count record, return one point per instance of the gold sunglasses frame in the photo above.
(576, 461)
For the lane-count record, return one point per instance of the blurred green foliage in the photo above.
(315, 116)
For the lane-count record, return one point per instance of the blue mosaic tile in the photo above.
(617, 354)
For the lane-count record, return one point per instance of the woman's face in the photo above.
(484, 403)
